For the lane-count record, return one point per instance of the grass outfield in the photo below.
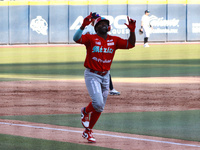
(9, 142)
(67, 62)
(169, 124)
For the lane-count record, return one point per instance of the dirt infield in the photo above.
(62, 97)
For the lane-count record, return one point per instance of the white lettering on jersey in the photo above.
(109, 44)
(100, 60)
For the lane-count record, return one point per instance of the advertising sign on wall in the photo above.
(158, 21)
(39, 24)
(193, 22)
(35, 22)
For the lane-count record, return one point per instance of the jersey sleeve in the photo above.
(123, 44)
(84, 39)
(77, 35)
(80, 38)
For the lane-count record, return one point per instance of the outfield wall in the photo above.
(34, 22)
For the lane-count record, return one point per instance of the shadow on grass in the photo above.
(146, 68)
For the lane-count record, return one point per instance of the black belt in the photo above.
(98, 72)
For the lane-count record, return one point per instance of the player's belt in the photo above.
(99, 72)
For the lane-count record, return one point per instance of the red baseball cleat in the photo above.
(84, 118)
(87, 134)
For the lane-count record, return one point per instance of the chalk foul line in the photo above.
(109, 135)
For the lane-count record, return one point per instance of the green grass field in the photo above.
(169, 124)
(36, 63)
(67, 62)
(9, 142)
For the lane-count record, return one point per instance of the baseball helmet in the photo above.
(99, 19)
(147, 11)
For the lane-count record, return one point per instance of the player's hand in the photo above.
(131, 24)
(87, 20)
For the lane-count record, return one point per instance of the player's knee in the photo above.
(105, 94)
(98, 106)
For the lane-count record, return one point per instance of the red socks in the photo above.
(89, 108)
(93, 118)
(94, 115)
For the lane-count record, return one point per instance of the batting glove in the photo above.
(131, 24)
(87, 20)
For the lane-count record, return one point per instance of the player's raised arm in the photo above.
(79, 32)
(131, 25)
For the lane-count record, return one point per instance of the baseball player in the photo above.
(100, 49)
(146, 27)
(90, 30)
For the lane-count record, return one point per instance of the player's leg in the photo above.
(112, 90)
(102, 99)
(87, 133)
(145, 40)
(110, 84)
(96, 89)
(93, 84)
(99, 100)
(85, 111)
(146, 37)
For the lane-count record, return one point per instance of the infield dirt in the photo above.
(64, 97)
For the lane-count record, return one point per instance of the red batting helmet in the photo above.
(99, 19)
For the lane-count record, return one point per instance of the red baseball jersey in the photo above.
(100, 52)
